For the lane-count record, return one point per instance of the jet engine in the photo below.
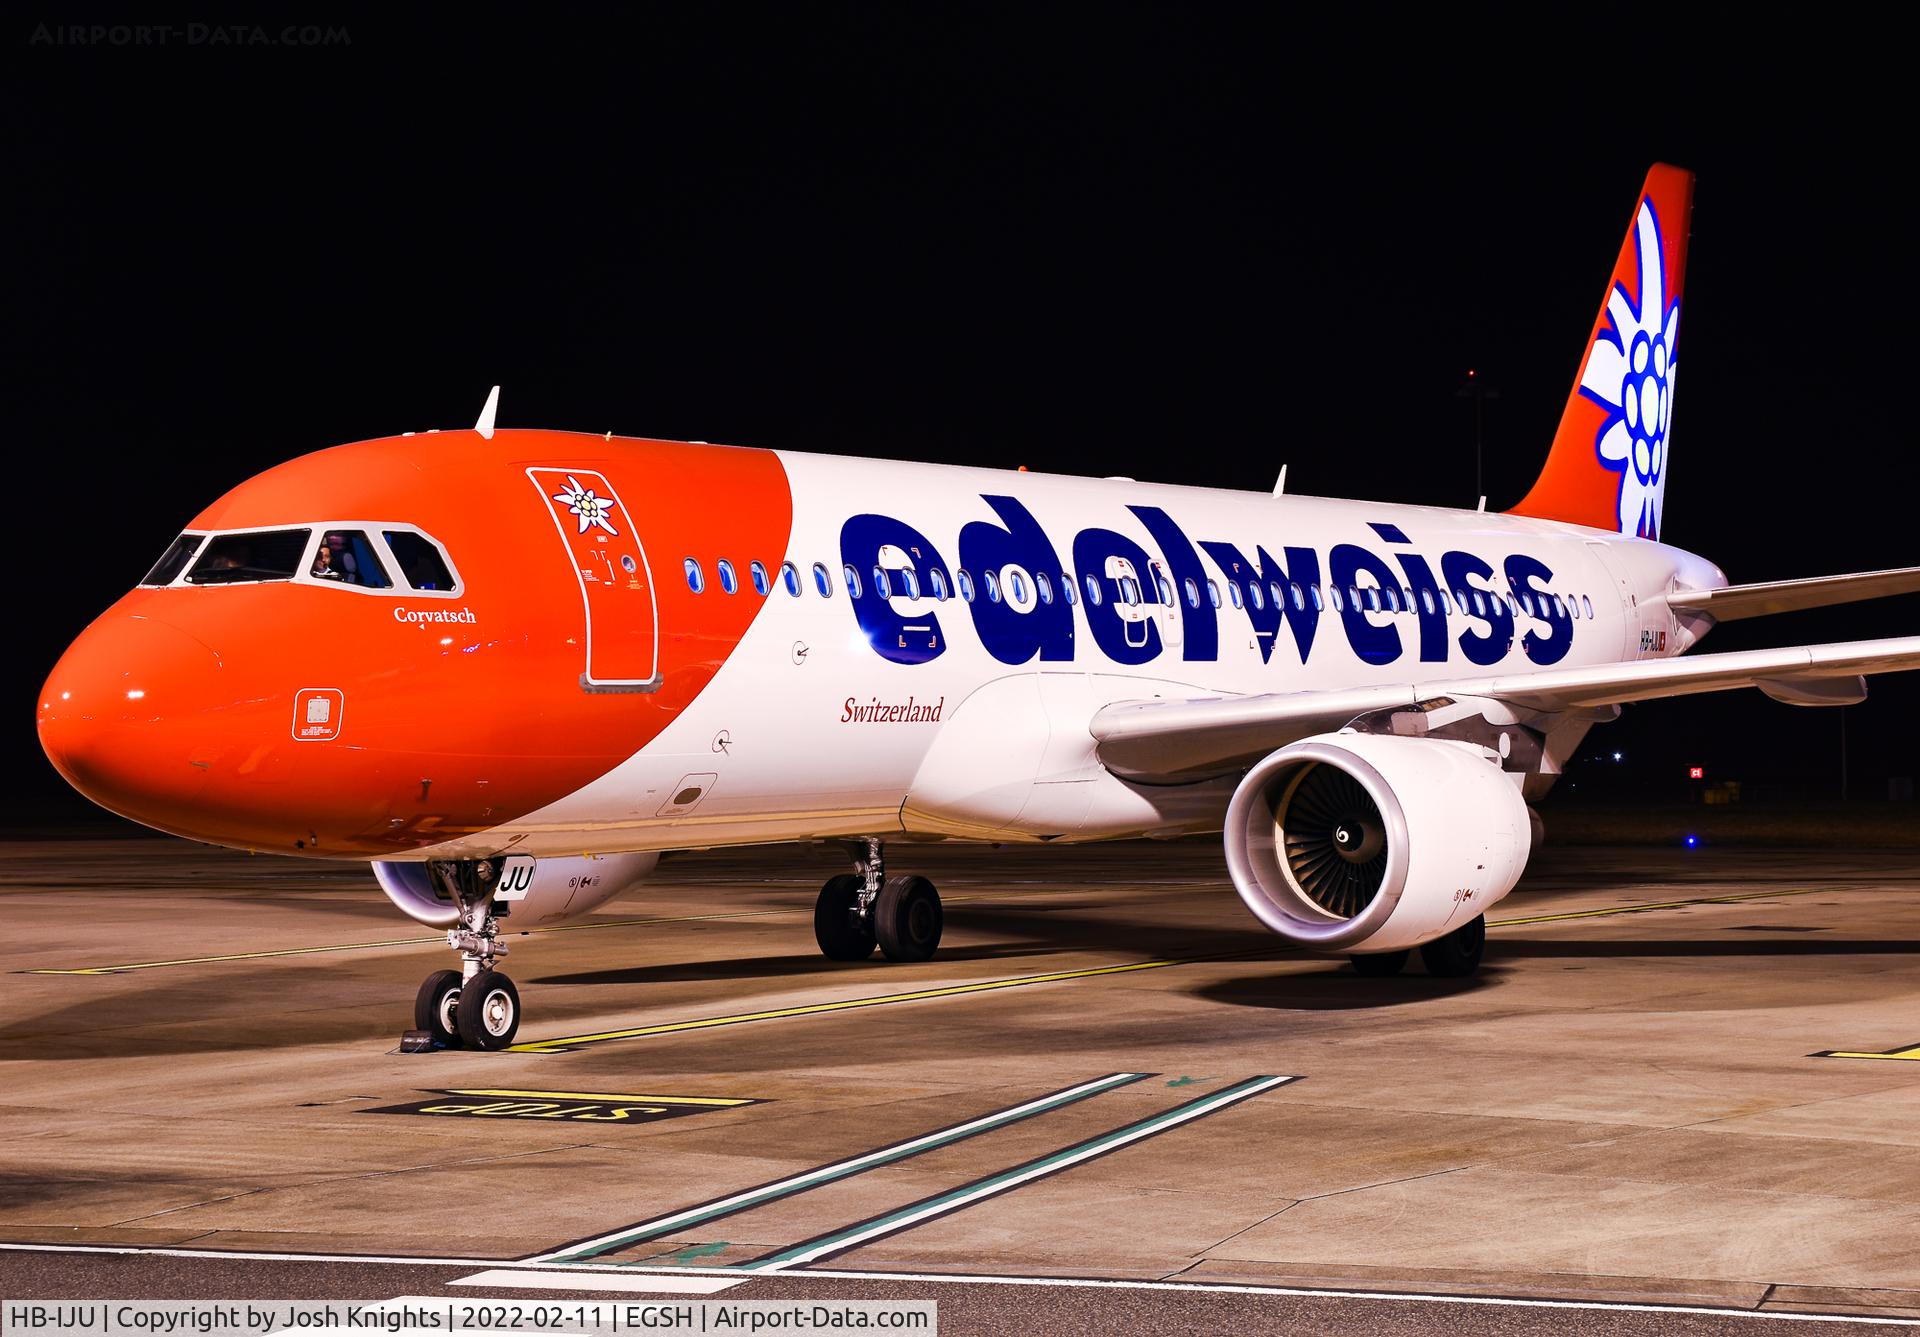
(1356, 842)
(529, 891)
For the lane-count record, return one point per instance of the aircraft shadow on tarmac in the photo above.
(1795, 945)
(1030, 932)
(1342, 990)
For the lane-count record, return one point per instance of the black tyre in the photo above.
(489, 1011)
(907, 919)
(1458, 954)
(837, 925)
(434, 1008)
(1379, 965)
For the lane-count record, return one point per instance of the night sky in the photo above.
(1186, 244)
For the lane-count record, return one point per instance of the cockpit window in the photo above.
(174, 560)
(420, 560)
(230, 559)
(347, 555)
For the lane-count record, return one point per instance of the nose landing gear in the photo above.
(475, 1006)
(856, 911)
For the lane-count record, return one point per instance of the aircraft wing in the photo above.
(1172, 739)
(1790, 596)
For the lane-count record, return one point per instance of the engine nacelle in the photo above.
(1359, 842)
(532, 891)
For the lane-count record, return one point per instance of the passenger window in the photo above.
(421, 561)
(822, 581)
(1066, 590)
(1586, 606)
(1017, 587)
(1233, 593)
(1372, 595)
(1392, 597)
(1353, 599)
(1313, 592)
(233, 559)
(790, 578)
(852, 577)
(1479, 603)
(1213, 594)
(1165, 587)
(728, 581)
(965, 583)
(1044, 586)
(1093, 591)
(993, 585)
(695, 580)
(881, 588)
(1279, 597)
(1192, 591)
(909, 583)
(174, 560)
(939, 583)
(1513, 605)
(758, 570)
(1254, 596)
(1426, 601)
(1339, 604)
(1559, 609)
(1445, 603)
(347, 555)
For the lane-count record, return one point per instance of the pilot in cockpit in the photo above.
(323, 564)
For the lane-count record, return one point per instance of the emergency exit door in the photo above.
(616, 586)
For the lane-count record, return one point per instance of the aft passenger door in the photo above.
(621, 653)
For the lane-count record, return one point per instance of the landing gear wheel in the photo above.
(838, 927)
(434, 1005)
(489, 1011)
(1379, 965)
(907, 918)
(1458, 954)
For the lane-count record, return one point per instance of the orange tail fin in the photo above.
(1608, 465)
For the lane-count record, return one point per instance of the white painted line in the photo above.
(630, 1280)
(965, 1279)
(837, 1170)
(1040, 1168)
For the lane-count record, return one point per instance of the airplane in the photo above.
(509, 668)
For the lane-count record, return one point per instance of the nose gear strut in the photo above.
(476, 1006)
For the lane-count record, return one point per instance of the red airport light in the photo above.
(1696, 772)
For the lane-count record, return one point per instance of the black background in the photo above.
(1185, 245)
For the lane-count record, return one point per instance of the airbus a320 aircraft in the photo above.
(509, 668)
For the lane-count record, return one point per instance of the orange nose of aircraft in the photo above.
(125, 718)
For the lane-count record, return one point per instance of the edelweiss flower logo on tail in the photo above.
(1630, 374)
(592, 510)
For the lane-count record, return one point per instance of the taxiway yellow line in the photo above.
(1661, 905)
(565, 1044)
(715, 1102)
(570, 1042)
(324, 948)
(438, 939)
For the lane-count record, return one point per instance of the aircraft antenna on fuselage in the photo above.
(1280, 484)
(485, 425)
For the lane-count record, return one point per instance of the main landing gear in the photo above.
(475, 1006)
(859, 909)
(1453, 957)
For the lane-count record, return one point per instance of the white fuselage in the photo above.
(837, 716)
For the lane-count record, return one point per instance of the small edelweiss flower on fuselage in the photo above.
(590, 509)
(1630, 374)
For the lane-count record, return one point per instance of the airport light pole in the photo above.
(1476, 390)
